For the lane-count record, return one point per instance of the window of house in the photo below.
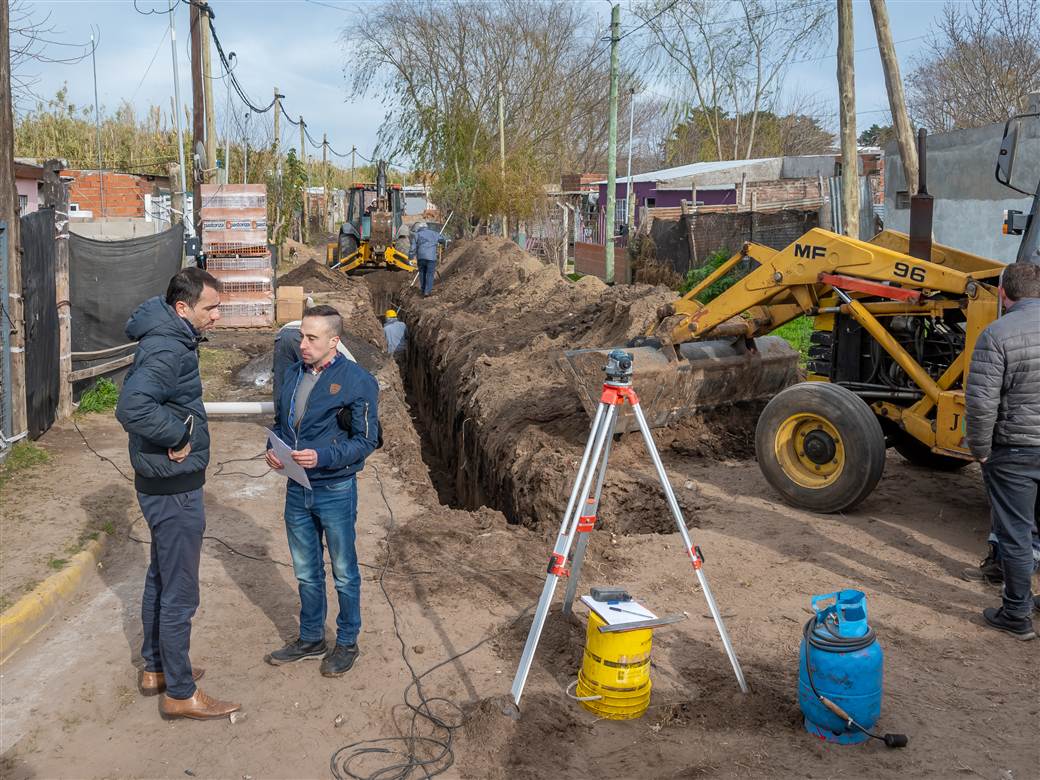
(23, 204)
(902, 199)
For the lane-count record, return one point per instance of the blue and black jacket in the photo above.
(343, 384)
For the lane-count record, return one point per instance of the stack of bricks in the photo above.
(234, 240)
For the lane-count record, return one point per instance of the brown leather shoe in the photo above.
(153, 683)
(200, 707)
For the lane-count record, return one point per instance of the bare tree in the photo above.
(441, 66)
(34, 38)
(727, 60)
(981, 61)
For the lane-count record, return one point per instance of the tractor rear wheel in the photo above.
(919, 454)
(820, 446)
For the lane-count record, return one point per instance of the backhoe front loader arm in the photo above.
(790, 282)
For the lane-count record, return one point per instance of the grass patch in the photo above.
(24, 455)
(5, 603)
(797, 333)
(574, 276)
(217, 362)
(697, 275)
(57, 564)
(102, 397)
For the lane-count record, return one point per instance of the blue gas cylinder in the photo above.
(840, 660)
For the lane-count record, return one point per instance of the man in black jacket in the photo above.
(161, 408)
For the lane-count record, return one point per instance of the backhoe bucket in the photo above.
(709, 374)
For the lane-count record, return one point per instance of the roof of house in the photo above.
(693, 169)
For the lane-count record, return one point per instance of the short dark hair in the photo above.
(331, 315)
(1021, 280)
(186, 286)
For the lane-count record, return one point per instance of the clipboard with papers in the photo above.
(283, 452)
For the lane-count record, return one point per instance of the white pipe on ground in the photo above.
(239, 407)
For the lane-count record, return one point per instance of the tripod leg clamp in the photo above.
(556, 561)
(696, 556)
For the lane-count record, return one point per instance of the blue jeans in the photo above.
(426, 270)
(171, 587)
(330, 510)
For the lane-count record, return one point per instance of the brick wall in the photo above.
(591, 259)
(782, 190)
(124, 192)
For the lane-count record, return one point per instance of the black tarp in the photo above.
(109, 279)
(41, 320)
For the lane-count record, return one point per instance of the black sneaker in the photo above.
(989, 570)
(339, 660)
(296, 651)
(1019, 628)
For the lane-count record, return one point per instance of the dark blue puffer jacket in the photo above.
(161, 392)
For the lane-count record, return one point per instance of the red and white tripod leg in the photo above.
(691, 550)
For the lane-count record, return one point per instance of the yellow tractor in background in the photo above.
(368, 238)
(895, 321)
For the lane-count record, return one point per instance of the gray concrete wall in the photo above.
(113, 229)
(969, 203)
(766, 170)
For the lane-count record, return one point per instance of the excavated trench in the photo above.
(499, 425)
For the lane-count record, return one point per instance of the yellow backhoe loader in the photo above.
(895, 321)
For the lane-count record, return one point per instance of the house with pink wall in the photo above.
(27, 176)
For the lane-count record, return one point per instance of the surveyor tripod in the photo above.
(580, 517)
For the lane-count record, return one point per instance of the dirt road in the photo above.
(461, 577)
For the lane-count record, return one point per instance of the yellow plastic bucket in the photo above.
(616, 669)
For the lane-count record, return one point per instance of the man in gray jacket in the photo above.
(160, 406)
(1002, 399)
(424, 243)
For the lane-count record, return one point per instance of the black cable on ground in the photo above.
(407, 748)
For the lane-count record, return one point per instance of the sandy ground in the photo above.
(462, 577)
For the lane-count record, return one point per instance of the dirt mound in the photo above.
(506, 425)
(312, 276)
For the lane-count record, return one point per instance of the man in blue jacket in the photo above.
(328, 413)
(161, 408)
(423, 249)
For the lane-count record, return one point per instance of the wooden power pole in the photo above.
(847, 116)
(198, 113)
(303, 159)
(14, 322)
(896, 98)
(325, 181)
(277, 226)
(211, 122)
(608, 239)
(56, 195)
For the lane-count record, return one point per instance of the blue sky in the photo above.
(295, 44)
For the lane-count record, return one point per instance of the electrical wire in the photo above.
(444, 757)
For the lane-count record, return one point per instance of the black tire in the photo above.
(820, 446)
(918, 454)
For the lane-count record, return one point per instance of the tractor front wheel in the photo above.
(820, 446)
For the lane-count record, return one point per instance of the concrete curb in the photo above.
(31, 613)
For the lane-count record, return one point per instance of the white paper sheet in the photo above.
(283, 452)
(618, 613)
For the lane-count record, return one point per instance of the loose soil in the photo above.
(314, 276)
(464, 578)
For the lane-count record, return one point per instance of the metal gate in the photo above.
(41, 320)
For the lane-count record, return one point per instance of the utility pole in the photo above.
(615, 38)
(55, 194)
(896, 99)
(245, 148)
(97, 127)
(303, 158)
(177, 120)
(325, 178)
(502, 154)
(630, 200)
(207, 82)
(277, 164)
(198, 114)
(14, 322)
(226, 178)
(847, 115)
(353, 154)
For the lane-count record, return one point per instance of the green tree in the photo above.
(876, 135)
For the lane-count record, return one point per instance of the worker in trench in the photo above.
(328, 412)
(396, 333)
(425, 242)
(1002, 408)
(161, 409)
